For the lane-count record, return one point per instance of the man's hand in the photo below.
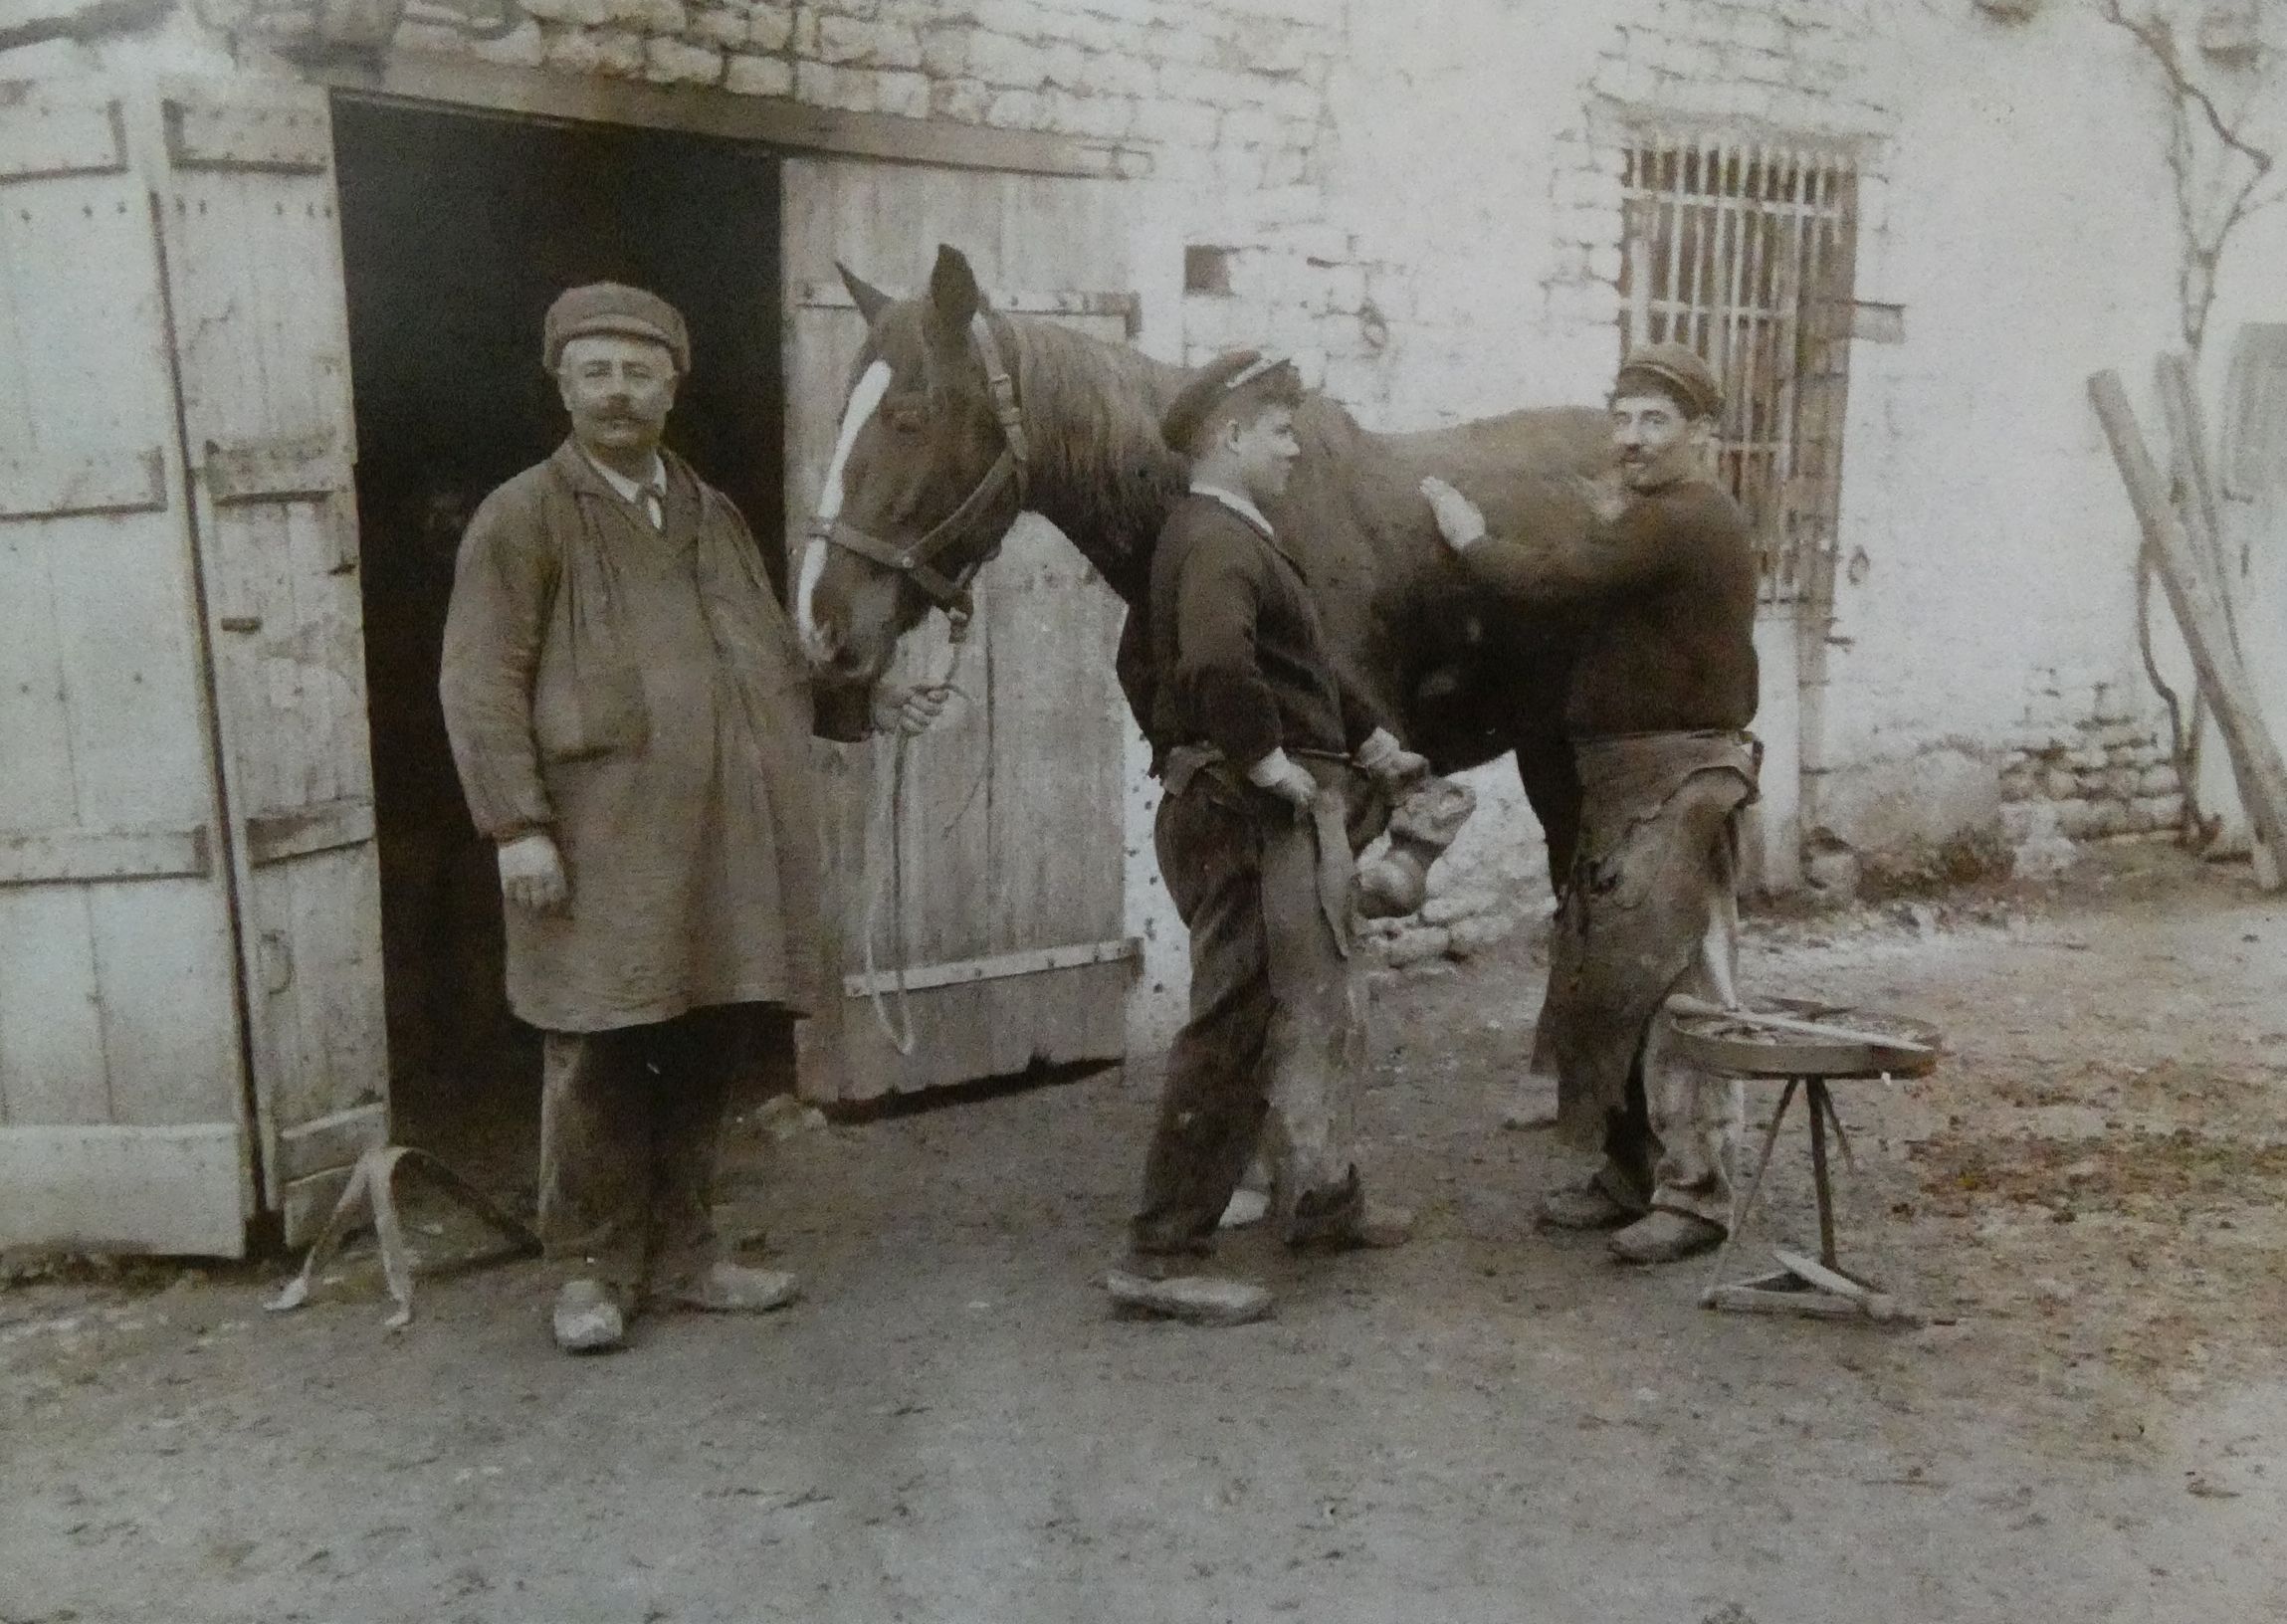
(909, 710)
(1289, 782)
(1458, 519)
(1389, 763)
(532, 873)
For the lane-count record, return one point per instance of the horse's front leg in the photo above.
(1421, 824)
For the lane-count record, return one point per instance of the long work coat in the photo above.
(639, 694)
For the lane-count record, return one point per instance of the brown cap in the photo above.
(1242, 379)
(612, 307)
(1674, 370)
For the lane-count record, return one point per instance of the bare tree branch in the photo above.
(2192, 109)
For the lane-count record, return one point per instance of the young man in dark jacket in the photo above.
(1255, 737)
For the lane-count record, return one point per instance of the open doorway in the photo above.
(457, 230)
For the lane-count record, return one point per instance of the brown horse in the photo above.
(958, 417)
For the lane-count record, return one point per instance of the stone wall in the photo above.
(2097, 767)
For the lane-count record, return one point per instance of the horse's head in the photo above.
(929, 473)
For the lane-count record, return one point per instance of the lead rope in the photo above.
(889, 806)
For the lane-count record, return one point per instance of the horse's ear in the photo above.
(871, 300)
(954, 294)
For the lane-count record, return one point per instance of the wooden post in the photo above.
(2197, 598)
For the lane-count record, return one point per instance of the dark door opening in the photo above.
(457, 230)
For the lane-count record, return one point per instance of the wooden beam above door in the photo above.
(773, 121)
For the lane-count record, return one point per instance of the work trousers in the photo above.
(1673, 1146)
(631, 1124)
(1276, 1039)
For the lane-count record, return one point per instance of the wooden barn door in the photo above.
(121, 1091)
(188, 898)
(1013, 856)
(246, 209)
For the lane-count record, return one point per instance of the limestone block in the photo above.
(2157, 780)
(2122, 783)
(1114, 73)
(1001, 61)
(672, 62)
(945, 49)
(578, 13)
(1016, 110)
(722, 27)
(433, 38)
(856, 42)
(2060, 784)
(2136, 818)
(2167, 810)
(2087, 759)
(648, 16)
(1182, 123)
(1248, 127)
(759, 76)
(893, 91)
(1223, 87)
(2107, 818)
(615, 53)
(1102, 117)
(769, 27)
(524, 45)
(1065, 64)
(2018, 822)
(964, 100)
(1132, 163)
(2076, 820)
(1292, 100)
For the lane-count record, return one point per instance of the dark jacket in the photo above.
(1668, 592)
(1238, 660)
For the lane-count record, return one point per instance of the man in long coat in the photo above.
(1253, 735)
(1656, 711)
(629, 714)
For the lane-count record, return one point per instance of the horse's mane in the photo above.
(1101, 472)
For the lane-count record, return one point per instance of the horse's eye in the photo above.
(905, 416)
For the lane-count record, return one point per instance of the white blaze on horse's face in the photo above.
(865, 400)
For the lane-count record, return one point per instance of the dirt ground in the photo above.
(1491, 1424)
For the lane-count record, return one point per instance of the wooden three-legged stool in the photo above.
(1811, 1046)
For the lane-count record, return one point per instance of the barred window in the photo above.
(1745, 252)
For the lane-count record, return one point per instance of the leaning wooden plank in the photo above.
(2196, 598)
(2187, 436)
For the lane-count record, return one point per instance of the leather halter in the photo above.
(916, 561)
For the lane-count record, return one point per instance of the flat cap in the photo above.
(613, 306)
(1240, 377)
(1674, 370)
